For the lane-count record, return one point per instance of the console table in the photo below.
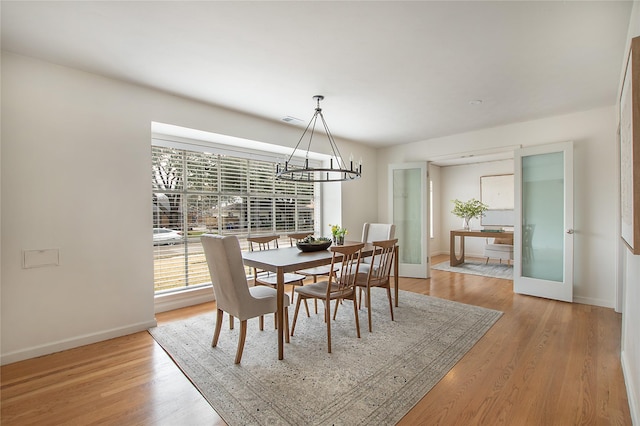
(461, 233)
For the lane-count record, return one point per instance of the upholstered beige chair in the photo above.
(340, 286)
(378, 232)
(499, 248)
(232, 292)
(379, 276)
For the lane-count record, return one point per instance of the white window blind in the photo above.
(196, 192)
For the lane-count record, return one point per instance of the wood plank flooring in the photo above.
(543, 363)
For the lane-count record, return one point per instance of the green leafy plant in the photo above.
(337, 231)
(468, 210)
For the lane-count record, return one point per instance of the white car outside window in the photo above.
(166, 236)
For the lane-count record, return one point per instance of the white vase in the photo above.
(466, 223)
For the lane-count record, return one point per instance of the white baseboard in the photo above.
(166, 302)
(182, 299)
(633, 389)
(595, 302)
(74, 342)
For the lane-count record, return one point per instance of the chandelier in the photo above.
(337, 170)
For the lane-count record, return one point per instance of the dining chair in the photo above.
(266, 278)
(499, 248)
(527, 242)
(314, 273)
(376, 232)
(296, 237)
(340, 285)
(383, 257)
(232, 292)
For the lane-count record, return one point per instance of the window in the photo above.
(198, 192)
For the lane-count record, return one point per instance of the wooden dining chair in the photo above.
(314, 273)
(266, 278)
(340, 285)
(296, 237)
(232, 292)
(377, 274)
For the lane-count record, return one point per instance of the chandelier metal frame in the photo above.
(305, 173)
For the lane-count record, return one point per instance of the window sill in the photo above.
(182, 299)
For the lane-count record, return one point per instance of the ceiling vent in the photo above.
(290, 119)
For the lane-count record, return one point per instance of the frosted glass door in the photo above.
(544, 226)
(408, 211)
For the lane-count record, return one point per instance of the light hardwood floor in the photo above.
(543, 363)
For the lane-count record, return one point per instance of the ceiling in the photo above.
(391, 72)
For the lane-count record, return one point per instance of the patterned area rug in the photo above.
(495, 270)
(376, 379)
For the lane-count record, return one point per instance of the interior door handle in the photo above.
(569, 231)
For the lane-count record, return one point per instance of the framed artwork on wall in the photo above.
(629, 139)
(497, 191)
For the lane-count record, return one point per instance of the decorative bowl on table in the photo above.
(313, 244)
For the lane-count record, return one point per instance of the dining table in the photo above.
(291, 259)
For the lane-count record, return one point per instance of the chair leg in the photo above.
(216, 334)
(355, 311)
(286, 325)
(306, 308)
(315, 301)
(261, 322)
(369, 307)
(241, 339)
(295, 315)
(327, 318)
(390, 302)
(335, 311)
(275, 319)
(230, 322)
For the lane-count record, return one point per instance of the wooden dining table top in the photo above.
(291, 259)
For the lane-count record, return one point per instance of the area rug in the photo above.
(376, 379)
(495, 270)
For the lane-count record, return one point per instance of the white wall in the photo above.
(631, 295)
(75, 176)
(463, 182)
(595, 174)
(360, 197)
